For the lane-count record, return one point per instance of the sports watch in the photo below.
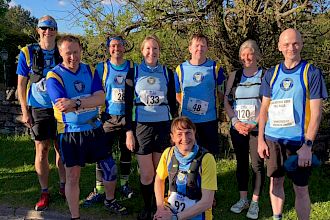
(78, 104)
(309, 143)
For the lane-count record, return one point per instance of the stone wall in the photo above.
(10, 114)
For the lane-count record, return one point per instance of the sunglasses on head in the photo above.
(49, 28)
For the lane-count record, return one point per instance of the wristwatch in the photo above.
(78, 104)
(309, 143)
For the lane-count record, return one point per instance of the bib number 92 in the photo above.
(180, 206)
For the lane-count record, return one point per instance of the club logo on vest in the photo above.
(181, 178)
(198, 77)
(286, 84)
(79, 86)
(119, 79)
(47, 63)
(151, 80)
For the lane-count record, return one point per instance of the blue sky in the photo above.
(59, 9)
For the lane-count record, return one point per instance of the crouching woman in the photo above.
(192, 176)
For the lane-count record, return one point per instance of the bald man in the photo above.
(289, 119)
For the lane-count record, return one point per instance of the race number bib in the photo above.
(179, 202)
(280, 113)
(197, 106)
(246, 112)
(152, 97)
(118, 95)
(83, 110)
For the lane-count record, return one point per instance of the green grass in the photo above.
(20, 187)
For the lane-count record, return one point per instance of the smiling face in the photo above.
(150, 52)
(248, 58)
(290, 44)
(47, 34)
(184, 139)
(71, 54)
(116, 49)
(183, 133)
(198, 48)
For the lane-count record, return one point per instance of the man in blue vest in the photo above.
(34, 62)
(113, 73)
(198, 90)
(289, 119)
(76, 94)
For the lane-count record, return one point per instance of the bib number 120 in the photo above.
(244, 114)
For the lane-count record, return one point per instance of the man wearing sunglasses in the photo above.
(34, 62)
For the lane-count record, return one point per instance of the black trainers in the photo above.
(115, 207)
(93, 198)
(126, 191)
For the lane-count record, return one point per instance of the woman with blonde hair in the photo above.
(150, 106)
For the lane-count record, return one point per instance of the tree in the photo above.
(21, 20)
(227, 23)
(3, 7)
(16, 28)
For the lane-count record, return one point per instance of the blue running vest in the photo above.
(199, 94)
(289, 88)
(76, 85)
(37, 95)
(113, 81)
(150, 94)
(247, 99)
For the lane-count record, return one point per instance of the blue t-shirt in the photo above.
(198, 87)
(63, 83)
(291, 90)
(37, 95)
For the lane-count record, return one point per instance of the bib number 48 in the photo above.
(197, 107)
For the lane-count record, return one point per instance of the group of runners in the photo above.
(274, 114)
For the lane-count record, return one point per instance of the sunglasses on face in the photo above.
(49, 28)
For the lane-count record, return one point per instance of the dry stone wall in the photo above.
(10, 114)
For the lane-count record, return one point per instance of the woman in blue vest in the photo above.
(242, 104)
(149, 107)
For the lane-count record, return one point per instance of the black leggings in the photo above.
(242, 146)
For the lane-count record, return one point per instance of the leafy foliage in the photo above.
(16, 28)
(227, 23)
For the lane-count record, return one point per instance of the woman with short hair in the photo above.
(242, 104)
